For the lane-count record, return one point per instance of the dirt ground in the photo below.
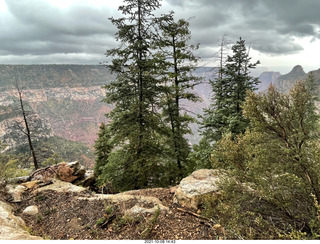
(64, 217)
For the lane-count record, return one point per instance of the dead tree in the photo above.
(27, 131)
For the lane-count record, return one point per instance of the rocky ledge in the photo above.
(61, 179)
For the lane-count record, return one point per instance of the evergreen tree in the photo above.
(135, 125)
(178, 63)
(225, 113)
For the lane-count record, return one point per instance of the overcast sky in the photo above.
(281, 33)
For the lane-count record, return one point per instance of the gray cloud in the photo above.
(36, 31)
(34, 27)
(270, 26)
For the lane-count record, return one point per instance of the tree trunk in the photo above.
(28, 133)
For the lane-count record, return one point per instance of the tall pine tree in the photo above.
(225, 113)
(178, 63)
(135, 125)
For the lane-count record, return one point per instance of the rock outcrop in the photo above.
(285, 82)
(200, 183)
(11, 226)
(143, 204)
(267, 78)
(68, 172)
(61, 186)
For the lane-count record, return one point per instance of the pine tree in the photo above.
(135, 124)
(225, 113)
(178, 63)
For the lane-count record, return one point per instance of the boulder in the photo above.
(31, 210)
(193, 188)
(11, 226)
(68, 172)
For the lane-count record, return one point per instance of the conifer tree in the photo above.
(135, 125)
(225, 113)
(178, 63)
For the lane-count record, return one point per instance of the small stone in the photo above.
(31, 210)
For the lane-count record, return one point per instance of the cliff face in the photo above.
(267, 78)
(285, 82)
(53, 76)
(65, 99)
(72, 113)
(69, 97)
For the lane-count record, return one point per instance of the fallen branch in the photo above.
(194, 214)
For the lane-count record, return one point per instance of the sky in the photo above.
(280, 33)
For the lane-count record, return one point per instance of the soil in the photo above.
(62, 216)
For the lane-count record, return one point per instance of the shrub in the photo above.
(275, 168)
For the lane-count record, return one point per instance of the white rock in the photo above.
(62, 186)
(16, 192)
(11, 226)
(191, 189)
(31, 210)
(136, 209)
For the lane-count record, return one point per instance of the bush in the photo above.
(275, 168)
(11, 166)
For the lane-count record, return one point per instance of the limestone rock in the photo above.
(16, 192)
(31, 210)
(137, 209)
(11, 226)
(193, 188)
(61, 186)
(143, 204)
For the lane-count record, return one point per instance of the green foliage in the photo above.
(150, 225)
(225, 113)
(240, 213)
(40, 198)
(10, 166)
(199, 158)
(275, 164)
(57, 149)
(54, 159)
(101, 221)
(135, 124)
(144, 144)
(179, 82)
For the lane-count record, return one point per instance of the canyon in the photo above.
(66, 100)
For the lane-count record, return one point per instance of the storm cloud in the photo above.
(35, 31)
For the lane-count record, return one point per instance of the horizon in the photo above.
(283, 70)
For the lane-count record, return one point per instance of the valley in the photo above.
(66, 100)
